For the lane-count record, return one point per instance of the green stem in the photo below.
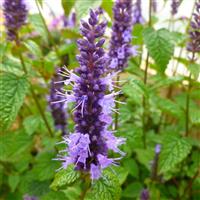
(33, 92)
(144, 115)
(47, 30)
(187, 111)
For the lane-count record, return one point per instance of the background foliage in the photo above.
(154, 113)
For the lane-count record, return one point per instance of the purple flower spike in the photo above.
(27, 197)
(194, 42)
(137, 13)
(174, 6)
(120, 48)
(56, 103)
(93, 95)
(157, 148)
(144, 195)
(154, 5)
(15, 13)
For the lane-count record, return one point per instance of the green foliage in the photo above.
(160, 46)
(153, 111)
(13, 90)
(67, 6)
(82, 8)
(175, 149)
(65, 177)
(106, 188)
(13, 145)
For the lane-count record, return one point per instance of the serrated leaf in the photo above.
(31, 124)
(12, 92)
(132, 190)
(12, 145)
(194, 68)
(65, 177)
(160, 46)
(67, 6)
(54, 196)
(13, 181)
(106, 188)
(82, 8)
(44, 161)
(38, 25)
(174, 150)
(34, 48)
(168, 106)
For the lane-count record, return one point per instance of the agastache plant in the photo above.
(15, 13)
(120, 48)
(174, 6)
(56, 104)
(144, 195)
(194, 33)
(137, 13)
(93, 95)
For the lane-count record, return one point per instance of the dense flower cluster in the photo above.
(137, 13)
(93, 95)
(154, 165)
(144, 195)
(120, 48)
(15, 13)
(174, 6)
(194, 43)
(154, 5)
(56, 103)
(27, 197)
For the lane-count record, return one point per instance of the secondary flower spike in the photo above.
(15, 13)
(93, 95)
(56, 104)
(137, 13)
(174, 6)
(120, 48)
(194, 41)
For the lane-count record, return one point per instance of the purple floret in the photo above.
(93, 95)
(15, 13)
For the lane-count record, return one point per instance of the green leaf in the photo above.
(67, 6)
(12, 92)
(70, 34)
(34, 48)
(132, 167)
(13, 145)
(54, 196)
(174, 150)
(107, 6)
(44, 161)
(132, 190)
(168, 106)
(160, 46)
(195, 70)
(12, 65)
(65, 177)
(82, 8)
(106, 188)
(13, 181)
(31, 124)
(38, 26)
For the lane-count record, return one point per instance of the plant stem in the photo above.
(187, 111)
(47, 30)
(145, 82)
(33, 92)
